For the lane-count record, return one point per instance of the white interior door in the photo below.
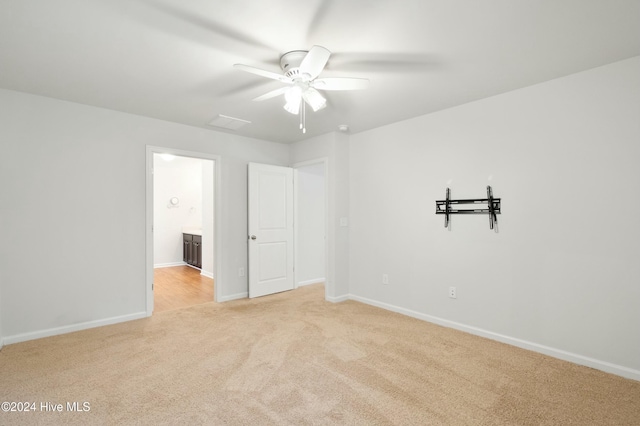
(270, 229)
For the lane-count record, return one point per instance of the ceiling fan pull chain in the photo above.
(303, 118)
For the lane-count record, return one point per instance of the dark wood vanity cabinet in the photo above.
(192, 250)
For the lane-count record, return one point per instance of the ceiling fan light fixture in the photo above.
(292, 107)
(301, 69)
(293, 96)
(315, 100)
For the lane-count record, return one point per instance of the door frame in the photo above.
(217, 228)
(296, 166)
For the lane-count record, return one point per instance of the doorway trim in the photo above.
(217, 228)
(296, 166)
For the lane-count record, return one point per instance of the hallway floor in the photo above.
(180, 286)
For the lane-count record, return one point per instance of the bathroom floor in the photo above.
(180, 286)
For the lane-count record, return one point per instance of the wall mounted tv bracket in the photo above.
(493, 207)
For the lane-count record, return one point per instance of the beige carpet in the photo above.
(293, 358)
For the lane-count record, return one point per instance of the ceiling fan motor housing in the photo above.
(290, 63)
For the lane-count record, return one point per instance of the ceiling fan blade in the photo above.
(314, 62)
(272, 94)
(263, 73)
(341, 83)
(319, 18)
(384, 62)
(227, 32)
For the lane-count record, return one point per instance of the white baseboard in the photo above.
(605, 366)
(233, 297)
(313, 281)
(71, 328)
(338, 299)
(168, 265)
(206, 273)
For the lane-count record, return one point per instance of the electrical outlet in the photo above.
(385, 279)
(452, 292)
(241, 272)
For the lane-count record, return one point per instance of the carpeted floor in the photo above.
(293, 358)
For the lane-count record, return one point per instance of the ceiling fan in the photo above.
(301, 69)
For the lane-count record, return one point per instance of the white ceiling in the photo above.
(173, 59)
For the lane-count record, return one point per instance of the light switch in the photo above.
(344, 221)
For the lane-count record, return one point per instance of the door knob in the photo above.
(253, 237)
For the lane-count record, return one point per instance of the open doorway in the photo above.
(311, 222)
(285, 250)
(182, 201)
(182, 231)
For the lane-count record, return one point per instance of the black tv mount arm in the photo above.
(493, 207)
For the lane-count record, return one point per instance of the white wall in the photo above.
(562, 275)
(72, 213)
(1, 333)
(182, 177)
(310, 224)
(208, 214)
(334, 147)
